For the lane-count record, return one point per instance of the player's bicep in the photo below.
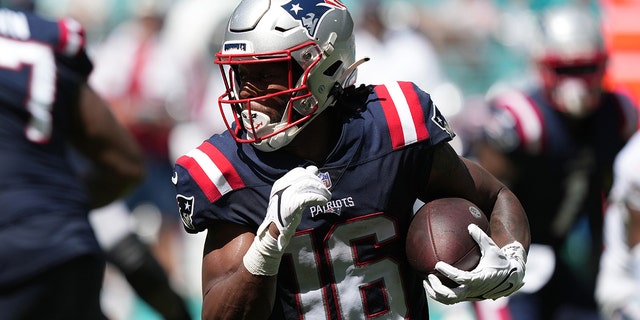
(224, 247)
(455, 176)
(444, 161)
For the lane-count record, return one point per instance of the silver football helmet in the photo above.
(572, 59)
(315, 36)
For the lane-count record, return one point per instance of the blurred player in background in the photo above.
(618, 285)
(137, 72)
(307, 198)
(52, 266)
(122, 246)
(554, 145)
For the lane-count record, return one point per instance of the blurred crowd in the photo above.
(153, 63)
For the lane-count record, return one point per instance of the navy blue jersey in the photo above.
(564, 166)
(347, 258)
(564, 171)
(43, 218)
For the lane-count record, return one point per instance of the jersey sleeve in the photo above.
(67, 40)
(629, 115)
(72, 53)
(202, 177)
(409, 116)
(213, 184)
(515, 124)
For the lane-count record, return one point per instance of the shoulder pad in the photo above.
(629, 114)
(411, 115)
(525, 125)
(211, 171)
(72, 37)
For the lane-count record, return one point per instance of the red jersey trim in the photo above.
(72, 38)
(211, 170)
(403, 112)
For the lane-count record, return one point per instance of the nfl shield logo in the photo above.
(326, 178)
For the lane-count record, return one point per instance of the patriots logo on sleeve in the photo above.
(441, 121)
(310, 12)
(185, 206)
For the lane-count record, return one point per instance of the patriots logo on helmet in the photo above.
(310, 12)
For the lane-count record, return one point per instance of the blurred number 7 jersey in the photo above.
(346, 260)
(42, 64)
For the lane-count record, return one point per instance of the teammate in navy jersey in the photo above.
(554, 146)
(307, 198)
(51, 265)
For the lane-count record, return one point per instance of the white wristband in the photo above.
(263, 257)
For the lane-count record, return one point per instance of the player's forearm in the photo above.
(106, 185)
(241, 295)
(509, 221)
(117, 160)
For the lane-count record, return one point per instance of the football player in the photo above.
(618, 282)
(554, 145)
(307, 198)
(51, 264)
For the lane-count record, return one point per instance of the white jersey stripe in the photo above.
(528, 118)
(404, 113)
(211, 170)
(75, 39)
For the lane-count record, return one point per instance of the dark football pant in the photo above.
(70, 291)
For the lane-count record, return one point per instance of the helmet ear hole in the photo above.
(296, 70)
(331, 71)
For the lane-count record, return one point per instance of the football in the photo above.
(438, 232)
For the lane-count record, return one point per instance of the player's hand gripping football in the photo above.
(499, 273)
(290, 195)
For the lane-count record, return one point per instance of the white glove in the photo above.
(290, 195)
(499, 273)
